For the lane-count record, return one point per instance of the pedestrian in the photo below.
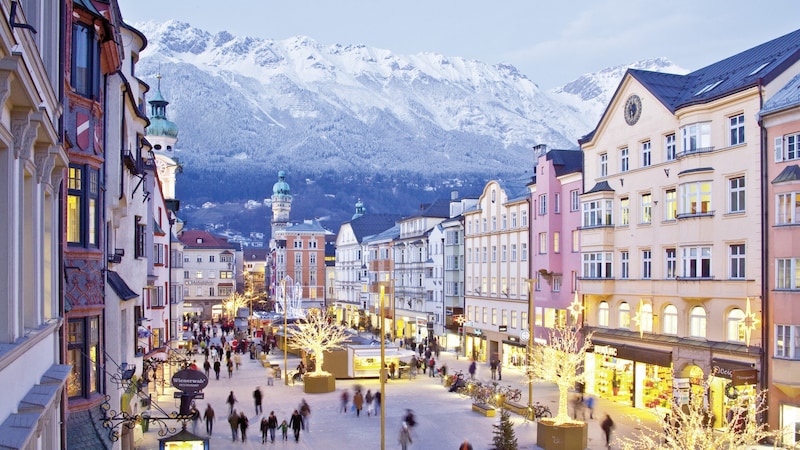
(305, 414)
(284, 430)
(499, 371)
(195, 414)
(345, 397)
(589, 406)
(431, 367)
(233, 420)
(296, 422)
(358, 402)
(257, 395)
(577, 407)
(607, 425)
(392, 368)
(493, 368)
(409, 419)
(209, 416)
(230, 368)
(405, 436)
(272, 424)
(217, 367)
(472, 367)
(377, 401)
(206, 367)
(231, 401)
(465, 445)
(264, 429)
(237, 360)
(368, 398)
(243, 424)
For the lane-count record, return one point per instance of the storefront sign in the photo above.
(744, 377)
(502, 328)
(189, 380)
(640, 354)
(724, 368)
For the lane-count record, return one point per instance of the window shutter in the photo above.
(779, 149)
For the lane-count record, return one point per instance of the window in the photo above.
(597, 265)
(625, 263)
(735, 328)
(556, 283)
(298, 259)
(85, 57)
(623, 160)
(574, 200)
(494, 316)
(513, 319)
(697, 322)
(485, 315)
(671, 263)
(646, 161)
(603, 164)
(736, 195)
(185, 274)
(494, 223)
(669, 145)
(513, 252)
(211, 258)
(789, 151)
(494, 253)
(557, 203)
(556, 242)
(786, 273)
(485, 255)
(83, 207)
(140, 238)
(696, 198)
(513, 220)
(647, 208)
(624, 211)
(597, 213)
(226, 274)
(212, 274)
(524, 252)
(696, 262)
(543, 205)
(312, 259)
(737, 129)
(602, 314)
(696, 137)
(625, 315)
(83, 354)
(542, 243)
(199, 274)
(503, 253)
(484, 222)
(647, 264)
(671, 204)
(670, 319)
(503, 222)
(736, 257)
(787, 341)
(787, 208)
(576, 241)
(523, 218)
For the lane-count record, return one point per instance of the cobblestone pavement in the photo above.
(444, 419)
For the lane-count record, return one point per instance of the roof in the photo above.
(439, 208)
(255, 254)
(600, 187)
(789, 173)
(515, 190)
(385, 235)
(309, 226)
(787, 97)
(119, 286)
(204, 239)
(370, 224)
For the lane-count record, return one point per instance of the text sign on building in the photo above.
(744, 377)
(189, 380)
(503, 328)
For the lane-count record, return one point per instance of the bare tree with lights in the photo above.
(317, 333)
(561, 360)
(690, 426)
(232, 304)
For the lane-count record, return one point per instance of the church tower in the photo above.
(281, 206)
(163, 135)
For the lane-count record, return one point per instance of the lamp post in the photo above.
(285, 337)
(531, 324)
(394, 314)
(381, 373)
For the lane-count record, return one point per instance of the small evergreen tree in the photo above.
(504, 437)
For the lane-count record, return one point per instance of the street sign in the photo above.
(502, 328)
(524, 335)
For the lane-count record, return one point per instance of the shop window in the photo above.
(735, 327)
(697, 322)
(83, 352)
(602, 314)
(670, 319)
(625, 315)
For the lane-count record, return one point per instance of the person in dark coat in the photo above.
(217, 368)
(272, 424)
(264, 430)
(607, 425)
(243, 424)
(209, 416)
(296, 422)
(257, 396)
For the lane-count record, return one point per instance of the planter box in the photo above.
(483, 408)
(568, 436)
(319, 385)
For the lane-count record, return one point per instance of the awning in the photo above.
(119, 286)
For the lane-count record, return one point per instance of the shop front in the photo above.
(476, 345)
(637, 376)
(514, 352)
(730, 380)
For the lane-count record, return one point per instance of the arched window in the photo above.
(646, 318)
(697, 322)
(625, 315)
(670, 319)
(602, 314)
(734, 329)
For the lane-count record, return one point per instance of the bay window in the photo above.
(696, 137)
(597, 213)
(597, 265)
(787, 208)
(695, 198)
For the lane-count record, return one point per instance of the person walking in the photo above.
(231, 401)
(296, 422)
(208, 415)
(493, 368)
(589, 406)
(305, 415)
(217, 368)
(358, 402)
(272, 424)
(233, 420)
(243, 424)
(206, 367)
(377, 401)
(499, 371)
(405, 436)
(472, 368)
(264, 429)
(345, 397)
(257, 396)
(284, 426)
(431, 367)
(607, 425)
(368, 398)
(465, 445)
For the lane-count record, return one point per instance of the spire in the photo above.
(159, 125)
(360, 209)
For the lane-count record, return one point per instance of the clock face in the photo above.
(161, 166)
(633, 109)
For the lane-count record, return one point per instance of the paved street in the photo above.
(444, 419)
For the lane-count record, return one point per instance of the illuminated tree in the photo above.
(690, 427)
(232, 304)
(319, 334)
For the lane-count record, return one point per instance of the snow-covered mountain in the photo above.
(243, 103)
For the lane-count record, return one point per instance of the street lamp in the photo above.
(381, 373)
(285, 337)
(531, 324)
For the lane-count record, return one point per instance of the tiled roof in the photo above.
(370, 224)
(85, 430)
(388, 234)
(439, 208)
(787, 97)
(311, 226)
(566, 161)
(189, 239)
(255, 254)
(600, 187)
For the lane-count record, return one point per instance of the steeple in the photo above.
(163, 135)
(159, 125)
(281, 205)
(360, 210)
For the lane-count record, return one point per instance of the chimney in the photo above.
(454, 195)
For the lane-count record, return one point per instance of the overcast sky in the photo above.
(552, 42)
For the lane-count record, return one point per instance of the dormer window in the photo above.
(199, 240)
(708, 87)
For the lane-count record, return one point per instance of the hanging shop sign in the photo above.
(739, 373)
(189, 380)
(639, 354)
